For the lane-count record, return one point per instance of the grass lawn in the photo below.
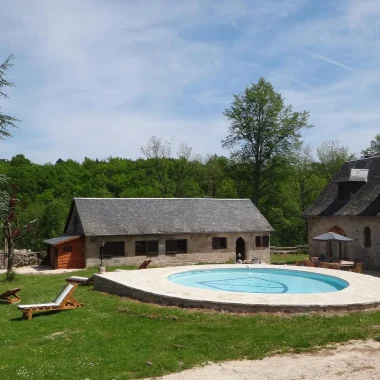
(286, 259)
(116, 338)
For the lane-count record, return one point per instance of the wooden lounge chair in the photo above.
(357, 268)
(308, 263)
(80, 280)
(64, 301)
(144, 264)
(10, 295)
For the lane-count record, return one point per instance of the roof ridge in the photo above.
(363, 158)
(183, 199)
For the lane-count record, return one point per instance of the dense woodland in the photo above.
(267, 163)
(45, 191)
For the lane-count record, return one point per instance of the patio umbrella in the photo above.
(329, 237)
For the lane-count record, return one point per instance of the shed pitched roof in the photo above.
(138, 216)
(365, 202)
(61, 239)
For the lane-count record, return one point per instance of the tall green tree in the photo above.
(262, 127)
(6, 201)
(211, 174)
(159, 152)
(331, 156)
(306, 183)
(374, 148)
(182, 169)
(6, 121)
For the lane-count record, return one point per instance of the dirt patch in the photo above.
(57, 334)
(352, 361)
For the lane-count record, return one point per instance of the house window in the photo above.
(114, 248)
(262, 241)
(219, 243)
(176, 246)
(148, 247)
(258, 241)
(68, 248)
(367, 237)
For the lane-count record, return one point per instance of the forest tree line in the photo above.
(45, 191)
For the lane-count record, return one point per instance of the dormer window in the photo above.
(349, 186)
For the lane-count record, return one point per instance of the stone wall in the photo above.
(22, 258)
(354, 229)
(199, 249)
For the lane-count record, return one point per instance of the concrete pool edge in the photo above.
(152, 286)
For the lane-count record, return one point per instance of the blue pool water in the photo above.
(260, 280)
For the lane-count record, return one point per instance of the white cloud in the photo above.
(99, 78)
(363, 16)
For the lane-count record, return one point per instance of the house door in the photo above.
(71, 255)
(240, 249)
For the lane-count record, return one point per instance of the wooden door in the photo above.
(71, 255)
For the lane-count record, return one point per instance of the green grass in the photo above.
(116, 338)
(287, 259)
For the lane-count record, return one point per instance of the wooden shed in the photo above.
(66, 252)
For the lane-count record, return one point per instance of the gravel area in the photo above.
(38, 269)
(353, 361)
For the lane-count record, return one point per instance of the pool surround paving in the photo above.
(153, 286)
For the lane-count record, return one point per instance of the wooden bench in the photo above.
(10, 296)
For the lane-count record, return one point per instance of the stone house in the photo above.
(350, 206)
(168, 231)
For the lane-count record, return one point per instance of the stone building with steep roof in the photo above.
(350, 205)
(168, 231)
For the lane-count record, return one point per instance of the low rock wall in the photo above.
(23, 258)
(179, 259)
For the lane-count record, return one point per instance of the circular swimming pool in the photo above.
(260, 280)
(244, 288)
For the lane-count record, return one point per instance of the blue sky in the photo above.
(97, 78)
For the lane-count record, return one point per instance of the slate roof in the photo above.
(139, 216)
(365, 202)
